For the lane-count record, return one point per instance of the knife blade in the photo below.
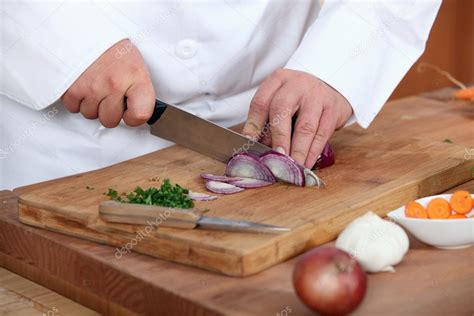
(140, 214)
(183, 128)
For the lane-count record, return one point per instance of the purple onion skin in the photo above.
(301, 178)
(267, 175)
(213, 187)
(326, 158)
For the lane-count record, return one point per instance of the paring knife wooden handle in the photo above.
(141, 214)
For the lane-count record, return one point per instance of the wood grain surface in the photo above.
(377, 169)
(429, 281)
(21, 297)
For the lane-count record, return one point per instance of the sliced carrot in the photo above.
(438, 208)
(465, 94)
(461, 202)
(415, 210)
(457, 216)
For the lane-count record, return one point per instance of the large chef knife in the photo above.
(139, 214)
(174, 124)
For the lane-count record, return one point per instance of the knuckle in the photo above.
(114, 84)
(281, 103)
(136, 69)
(307, 128)
(73, 108)
(321, 137)
(258, 105)
(280, 73)
(299, 152)
(278, 133)
(72, 93)
(250, 128)
(93, 89)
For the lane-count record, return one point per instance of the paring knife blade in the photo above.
(174, 124)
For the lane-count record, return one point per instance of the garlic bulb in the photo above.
(377, 244)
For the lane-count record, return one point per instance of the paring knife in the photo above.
(140, 214)
(174, 124)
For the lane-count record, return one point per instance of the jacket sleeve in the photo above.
(45, 46)
(364, 48)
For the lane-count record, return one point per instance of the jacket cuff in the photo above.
(364, 50)
(61, 40)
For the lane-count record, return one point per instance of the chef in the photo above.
(67, 66)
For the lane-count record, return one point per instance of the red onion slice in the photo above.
(248, 166)
(248, 183)
(284, 167)
(198, 196)
(326, 158)
(222, 187)
(311, 179)
(214, 177)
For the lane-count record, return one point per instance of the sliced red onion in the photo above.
(326, 158)
(222, 187)
(311, 179)
(284, 167)
(198, 196)
(214, 177)
(248, 166)
(248, 183)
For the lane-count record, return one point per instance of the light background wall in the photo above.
(450, 47)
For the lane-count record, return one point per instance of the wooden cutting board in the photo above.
(375, 170)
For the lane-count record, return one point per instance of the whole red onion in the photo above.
(326, 158)
(329, 281)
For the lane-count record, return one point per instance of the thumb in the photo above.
(140, 103)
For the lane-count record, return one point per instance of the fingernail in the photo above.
(281, 150)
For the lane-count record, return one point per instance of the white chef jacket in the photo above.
(208, 57)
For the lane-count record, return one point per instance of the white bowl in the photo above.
(441, 233)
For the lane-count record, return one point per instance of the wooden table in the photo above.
(429, 281)
(19, 296)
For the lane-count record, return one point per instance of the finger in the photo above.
(305, 129)
(89, 107)
(111, 110)
(258, 111)
(71, 100)
(327, 125)
(282, 107)
(266, 136)
(140, 103)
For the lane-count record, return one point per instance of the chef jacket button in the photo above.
(186, 49)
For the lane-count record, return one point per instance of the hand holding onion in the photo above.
(319, 109)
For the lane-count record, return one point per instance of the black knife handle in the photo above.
(159, 109)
